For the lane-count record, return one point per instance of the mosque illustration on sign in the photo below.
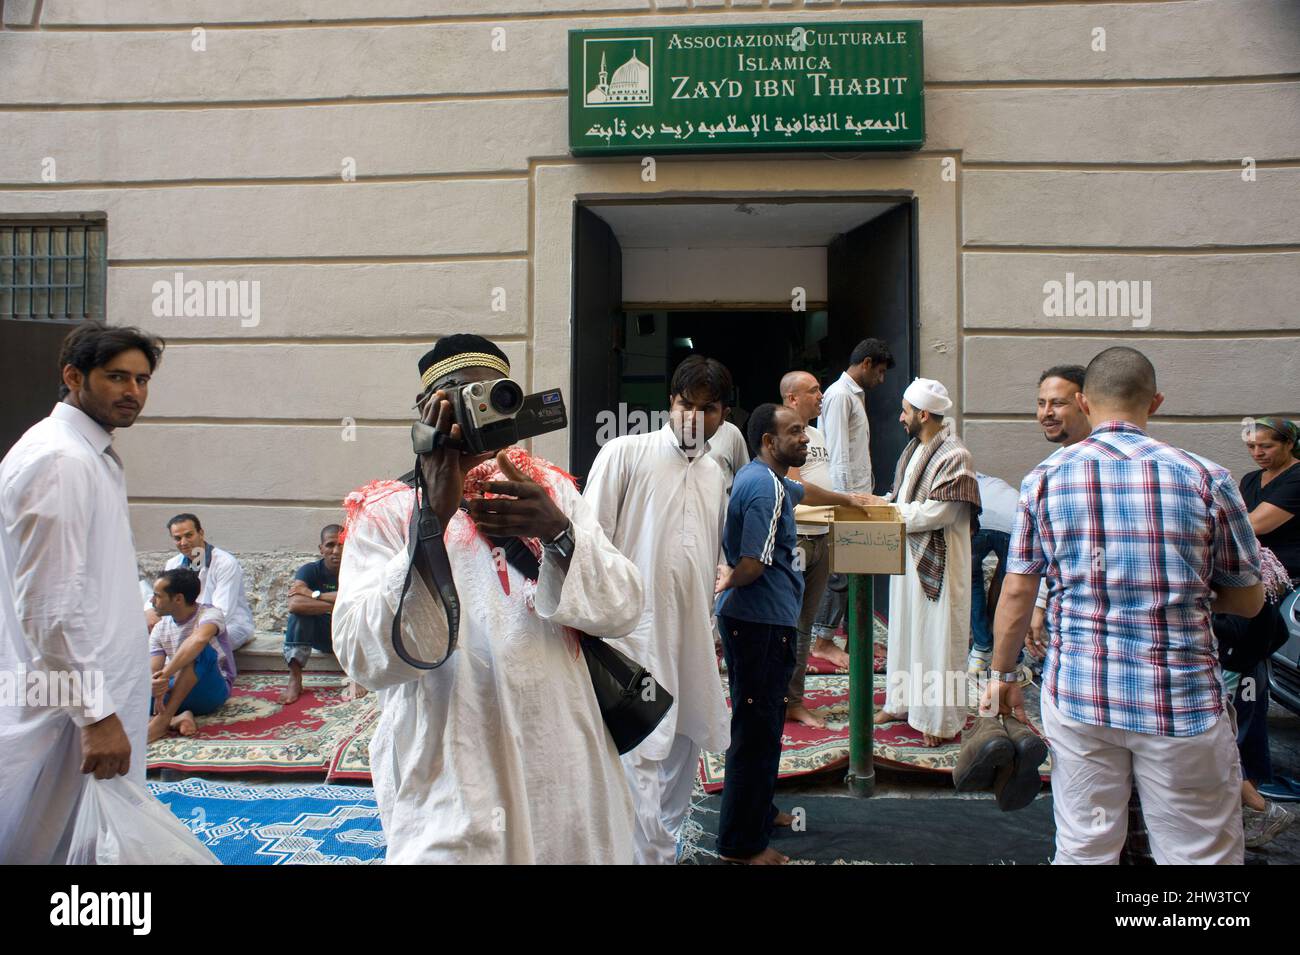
(629, 86)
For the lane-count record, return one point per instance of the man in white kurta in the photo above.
(500, 755)
(664, 509)
(929, 632)
(70, 607)
(727, 447)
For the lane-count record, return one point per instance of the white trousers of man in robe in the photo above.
(661, 794)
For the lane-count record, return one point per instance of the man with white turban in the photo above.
(937, 493)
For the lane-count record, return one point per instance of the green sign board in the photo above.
(746, 87)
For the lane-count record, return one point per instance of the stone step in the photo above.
(266, 652)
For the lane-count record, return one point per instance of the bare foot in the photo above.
(929, 740)
(768, 856)
(158, 727)
(184, 724)
(293, 690)
(882, 718)
(354, 691)
(801, 714)
(828, 650)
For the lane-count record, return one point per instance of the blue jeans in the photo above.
(208, 693)
(981, 545)
(760, 662)
(303, 634)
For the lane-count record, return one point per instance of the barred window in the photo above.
(53, 271)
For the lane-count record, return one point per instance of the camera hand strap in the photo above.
(425, 547)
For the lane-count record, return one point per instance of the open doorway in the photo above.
(725, 262)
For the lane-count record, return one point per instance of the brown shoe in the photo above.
(1017, 789)
(985, 749)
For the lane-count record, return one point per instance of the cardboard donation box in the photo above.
(867, 540)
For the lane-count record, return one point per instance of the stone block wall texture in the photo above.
(227, 162)
(267, 576)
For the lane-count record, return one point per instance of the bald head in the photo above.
(793, 382)
(801, 393)
(1120, 377)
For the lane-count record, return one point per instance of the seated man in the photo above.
(311, 602)
(190, 656)
(220, 575)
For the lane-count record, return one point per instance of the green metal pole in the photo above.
(862, 710)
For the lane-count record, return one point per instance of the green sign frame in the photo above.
(744, 87)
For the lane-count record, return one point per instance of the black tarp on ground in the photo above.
(892, 831)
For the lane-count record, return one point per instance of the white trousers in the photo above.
(661, 795)
(1190, 787)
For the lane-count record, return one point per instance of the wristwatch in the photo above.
(1006, 676)
(315, 595)
(561, 545)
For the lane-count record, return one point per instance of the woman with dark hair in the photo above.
(1272, 497)
(1272, 494)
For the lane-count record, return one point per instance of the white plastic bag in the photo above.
(119, 822)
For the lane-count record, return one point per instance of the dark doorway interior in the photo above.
(623, 360)
(757, 346)
(29, 367)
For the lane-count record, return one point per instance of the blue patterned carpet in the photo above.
(279, 825)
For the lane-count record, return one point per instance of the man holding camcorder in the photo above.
(491, 746)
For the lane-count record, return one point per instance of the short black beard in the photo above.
(1063, 437)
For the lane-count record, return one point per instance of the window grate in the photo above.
(52, 271)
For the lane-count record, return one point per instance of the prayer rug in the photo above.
(279, 825)
(352, 759)
(846, 830)
(806, 749)
(253, 732)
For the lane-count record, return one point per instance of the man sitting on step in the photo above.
(191, 659)
(311, 604)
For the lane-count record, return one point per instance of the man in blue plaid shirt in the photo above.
(1140, 542)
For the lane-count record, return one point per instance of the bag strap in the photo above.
(425, 547)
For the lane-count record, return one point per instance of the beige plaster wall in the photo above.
(228, 164)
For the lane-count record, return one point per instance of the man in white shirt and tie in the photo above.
(847, 432)
(69, 604)
(219, 572)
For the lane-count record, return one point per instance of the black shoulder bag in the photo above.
(632, 703)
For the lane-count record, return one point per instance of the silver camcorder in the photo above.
(493, 415)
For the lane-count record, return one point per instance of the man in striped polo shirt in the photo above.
(1140, 542)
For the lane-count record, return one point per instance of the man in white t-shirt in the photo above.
(727, 447)
(191, 659)
(802, 394)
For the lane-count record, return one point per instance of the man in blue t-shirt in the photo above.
(311, 602)
(760, 595)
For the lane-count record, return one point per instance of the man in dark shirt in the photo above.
(311, 601)
(760, 595)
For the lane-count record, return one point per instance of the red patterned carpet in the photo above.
(253, 732)
(323, 734)
(805, 749)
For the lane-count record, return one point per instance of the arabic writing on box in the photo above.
(757, 125)
(863, 538)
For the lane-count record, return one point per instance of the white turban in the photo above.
(926, 394)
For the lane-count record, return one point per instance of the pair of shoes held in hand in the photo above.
(1001, 754)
